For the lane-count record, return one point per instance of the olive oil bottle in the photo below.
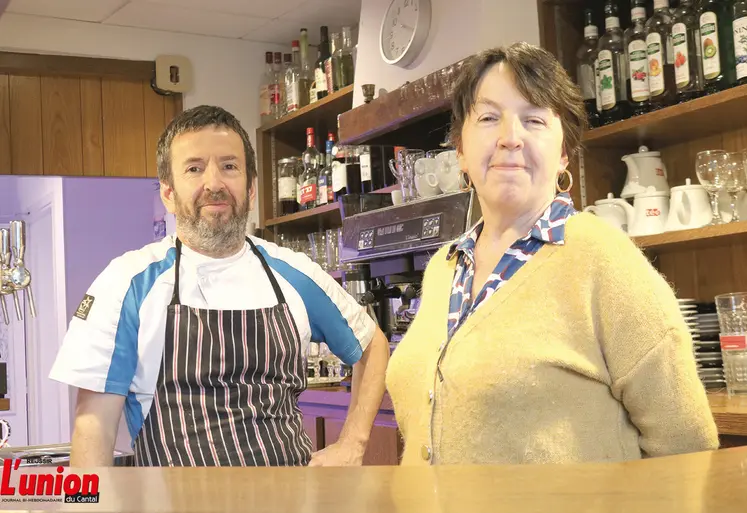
(611, 68)
(717, 45)
(661, 82)
(688, 65)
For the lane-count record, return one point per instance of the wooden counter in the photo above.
(730, 413)
(702, 482)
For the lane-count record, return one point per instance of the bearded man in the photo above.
(200, 338)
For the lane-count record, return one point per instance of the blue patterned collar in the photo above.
(549, 228)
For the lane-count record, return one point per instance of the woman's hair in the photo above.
(539, 77)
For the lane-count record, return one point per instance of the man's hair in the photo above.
(539, 77)
(192, 120)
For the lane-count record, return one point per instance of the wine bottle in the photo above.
(740, 40)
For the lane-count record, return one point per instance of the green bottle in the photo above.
(717, 45)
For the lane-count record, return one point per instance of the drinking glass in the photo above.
(709, 166)
(318, 242)
(732, 319)
(734, 180)
(333, 249)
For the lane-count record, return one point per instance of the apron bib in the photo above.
(228, 387)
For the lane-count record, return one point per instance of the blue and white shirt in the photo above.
(115, 341)
(549, 229)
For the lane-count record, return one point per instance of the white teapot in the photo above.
(645, 169)
(615, 211)
(689, 207)
(651, 209)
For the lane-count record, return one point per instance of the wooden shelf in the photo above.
(706, 236)
(394, 110)
(679, 123)
(4, 404)
(324, 112)
(310, 220)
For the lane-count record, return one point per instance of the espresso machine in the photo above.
(390, 248)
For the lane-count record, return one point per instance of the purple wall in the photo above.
(104, 218)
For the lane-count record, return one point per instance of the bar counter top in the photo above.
(702, 482)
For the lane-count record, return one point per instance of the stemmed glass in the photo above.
(734, 179)
(709, 166)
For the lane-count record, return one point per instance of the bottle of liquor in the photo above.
(310, 159)
(661, 81)
(688, 66)
(282, 73)
(332, 64)
(346, 172)
(276, 91)
(266, 86)
(635, 54)
(740, 40)
(306, 75)
(717, 45)
(364, 158)
(585, 57)
(347, 66)
(287, 185)
(292, 74)
(325, 193)
(612, 68)
(320, 72)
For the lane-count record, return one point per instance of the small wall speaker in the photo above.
(173, 73)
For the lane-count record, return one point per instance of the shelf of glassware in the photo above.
(706, 236)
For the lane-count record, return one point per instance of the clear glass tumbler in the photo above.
(732, 318)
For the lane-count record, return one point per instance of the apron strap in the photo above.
(270, 275)
(275, 286)
(175, 294)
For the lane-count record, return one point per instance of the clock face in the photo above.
(398, 29)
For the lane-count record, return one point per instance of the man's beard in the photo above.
(212, 234)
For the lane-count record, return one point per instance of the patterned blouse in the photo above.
(549, 229)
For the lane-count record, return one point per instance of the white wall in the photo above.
(226, 71)
(459, 28)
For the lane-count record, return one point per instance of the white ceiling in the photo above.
(270, 21)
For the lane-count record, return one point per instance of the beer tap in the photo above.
(19, 275)
(6, 285)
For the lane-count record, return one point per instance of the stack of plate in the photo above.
(703, 324)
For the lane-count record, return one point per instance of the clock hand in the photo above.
(407, 27)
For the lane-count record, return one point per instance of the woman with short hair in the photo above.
(544, 335)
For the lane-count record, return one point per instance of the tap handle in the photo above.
(4, 246)
(30, 299)
(5, 310)
(19, 312)
(18, 241)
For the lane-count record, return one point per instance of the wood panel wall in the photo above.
(81, 126)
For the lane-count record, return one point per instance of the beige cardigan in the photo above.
(581, 356)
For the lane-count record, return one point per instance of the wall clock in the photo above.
(404, 31)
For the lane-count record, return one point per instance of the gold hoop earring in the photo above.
(464, 179)
(570, 182)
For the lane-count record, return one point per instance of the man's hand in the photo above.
(339, 454)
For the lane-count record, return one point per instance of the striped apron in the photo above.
(228, 387)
